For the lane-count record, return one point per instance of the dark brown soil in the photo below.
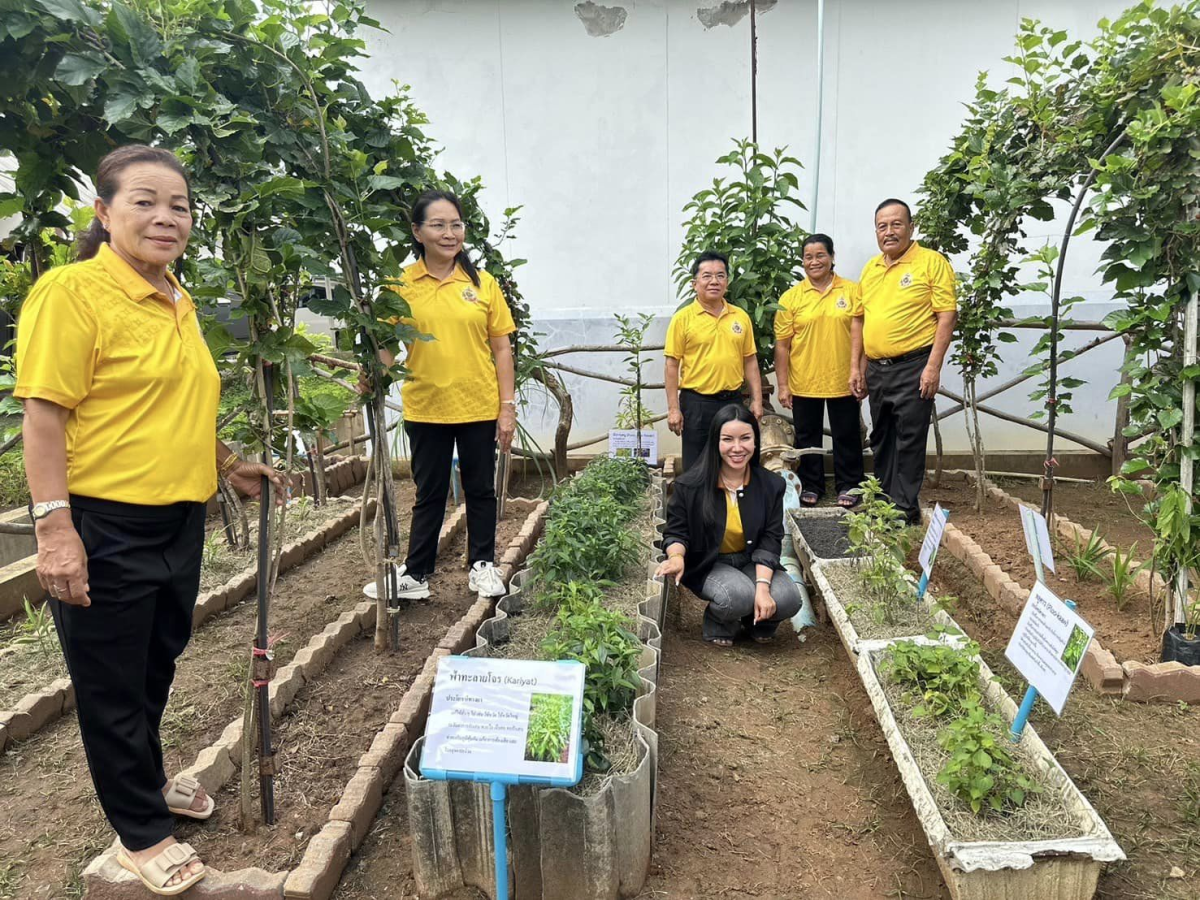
(826, 536)
(50, 823)
(1092, 505)
(1129, 633)
(774, 781)
(1138, 764)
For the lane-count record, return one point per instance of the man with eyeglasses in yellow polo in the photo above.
(710, 354)
(904, 327)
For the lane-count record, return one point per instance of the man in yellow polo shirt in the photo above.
(904, 329)
(710, 353)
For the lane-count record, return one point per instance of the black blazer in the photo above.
(761, 506)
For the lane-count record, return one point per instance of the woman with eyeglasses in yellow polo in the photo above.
(459, 391)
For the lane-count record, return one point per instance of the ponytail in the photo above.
(88, 243)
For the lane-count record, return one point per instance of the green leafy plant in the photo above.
(603, 641)
(586, 538)
(37, 629)
(980, 771)
(748, 217)
(1085, 557)
(631, 334)
(879, 538)
(1123, 575)
(937, 678)
(549, 733)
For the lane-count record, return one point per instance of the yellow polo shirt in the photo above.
(899, 301)
(818, 325)
(452, 378)
(711, 349)
(136, 374)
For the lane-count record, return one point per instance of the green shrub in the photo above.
(602, 640)
(879, 537)
(937, 678)
(980, 771)
(585, 538)
(14, 490)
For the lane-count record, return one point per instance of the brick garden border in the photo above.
(1167, 682)
(328, 852)
(38, 709)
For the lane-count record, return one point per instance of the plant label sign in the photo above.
(1037, 536)
(624, 442)
(509, 720)
(933, 538)
(1048, 645)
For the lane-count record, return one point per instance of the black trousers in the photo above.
(698, 411)
(808, 413)
(143, 576)
(432, 449)
(900, 429)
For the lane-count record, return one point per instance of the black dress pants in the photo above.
(143, 575)
(808, 413)
(698, 411)
(431, 447)
(900, 429)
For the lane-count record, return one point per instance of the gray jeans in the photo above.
(729, 589)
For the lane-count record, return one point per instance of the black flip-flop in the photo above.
(848, 501)
(808, 498)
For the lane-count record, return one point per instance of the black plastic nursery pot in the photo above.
(1178, 647)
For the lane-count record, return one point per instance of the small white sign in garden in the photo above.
(1037, 537)
(933, 538)
(624, 442)
(505, 719)
(1048, 645)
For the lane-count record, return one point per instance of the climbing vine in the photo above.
(1111, 125)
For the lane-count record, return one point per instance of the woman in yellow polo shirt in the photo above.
(460, 390)
(812, 366)
(121, 455)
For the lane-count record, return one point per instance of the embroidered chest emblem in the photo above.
(906, 281)
(841, 303)
(736, 328)
(469, 295)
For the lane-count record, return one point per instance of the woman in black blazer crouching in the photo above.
(724, 533)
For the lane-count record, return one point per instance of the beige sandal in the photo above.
(181, 795)
(157, 872)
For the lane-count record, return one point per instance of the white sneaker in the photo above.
(485, 580)
(408, 588)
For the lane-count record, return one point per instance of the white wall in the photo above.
(603, 139)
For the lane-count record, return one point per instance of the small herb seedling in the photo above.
(1085, 557)
(1124, 575)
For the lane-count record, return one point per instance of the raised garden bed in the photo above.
(988, 545)
(34, 688)
(977, 864)
(1062, 862)
(590, 841)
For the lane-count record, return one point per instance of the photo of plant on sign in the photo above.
(1076, 645)
(549, 734)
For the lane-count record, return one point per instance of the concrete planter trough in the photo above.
(1064, 868)
(835, 605)
(562, 844)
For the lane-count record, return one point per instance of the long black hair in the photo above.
(421, 207)
(706, 472)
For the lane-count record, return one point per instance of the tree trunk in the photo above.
(566, 412)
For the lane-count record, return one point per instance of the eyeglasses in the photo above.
(439, 227)
(708, 278)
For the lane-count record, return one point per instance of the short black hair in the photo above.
(710, 256)
(892, 201)
(818, 238)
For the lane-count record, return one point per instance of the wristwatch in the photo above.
(41, 510)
